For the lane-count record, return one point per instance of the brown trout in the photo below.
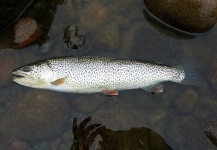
(98, 74)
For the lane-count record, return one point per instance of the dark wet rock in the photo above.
(88, 103)
(13, 143)
(165, 47)
(40, 114)
(188, 133)
(192, 16)
(11, 10)
(187, 101)
(9, 60)
(26, 31)
(109, 37)
(72, 38)
(94, 16)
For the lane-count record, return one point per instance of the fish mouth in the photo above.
(18, 75)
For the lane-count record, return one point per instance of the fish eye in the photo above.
(26, 69)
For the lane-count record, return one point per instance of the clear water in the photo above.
(184, 116)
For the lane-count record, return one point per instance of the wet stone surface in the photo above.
(94, 16)
(187, 101)
(192, 16)
(26, 31)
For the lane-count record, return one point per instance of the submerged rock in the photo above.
(26, 31)
(94, 16)
(9, 60)
(109, 37)
(38, 115)
(187, 102)
(191, 16)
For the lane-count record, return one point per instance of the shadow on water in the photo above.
(97, 136)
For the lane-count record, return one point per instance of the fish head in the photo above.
(36, 75)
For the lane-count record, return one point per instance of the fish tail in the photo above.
(191, 74)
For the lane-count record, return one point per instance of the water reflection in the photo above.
(97, 136)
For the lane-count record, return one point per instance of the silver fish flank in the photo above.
(98, 74)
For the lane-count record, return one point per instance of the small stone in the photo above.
(109, 37)
(26, 31)
(94, 16)
(187, 102)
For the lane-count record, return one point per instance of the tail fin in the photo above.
(192, 75)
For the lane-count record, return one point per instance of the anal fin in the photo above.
(110, 92)
(154, 89)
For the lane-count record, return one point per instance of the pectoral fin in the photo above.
(59, 81)
(156, 88)
(110, 92)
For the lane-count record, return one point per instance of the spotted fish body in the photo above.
(96, 74)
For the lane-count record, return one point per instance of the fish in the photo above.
(93, 74)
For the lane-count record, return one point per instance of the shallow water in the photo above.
(184, 116)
